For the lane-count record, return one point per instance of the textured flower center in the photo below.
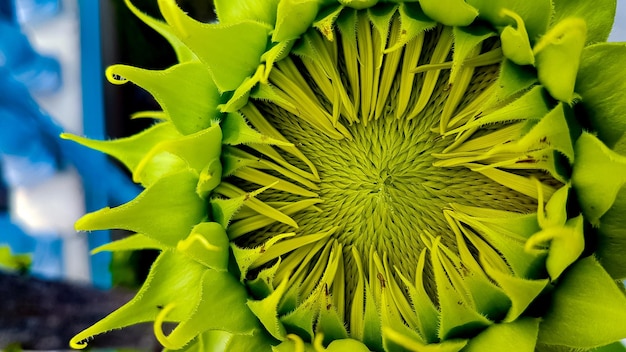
(381, 189)
(379, 185)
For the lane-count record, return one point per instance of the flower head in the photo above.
(379, 175)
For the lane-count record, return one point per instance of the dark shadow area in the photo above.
(44, 315)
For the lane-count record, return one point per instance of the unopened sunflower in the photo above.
(364, 175)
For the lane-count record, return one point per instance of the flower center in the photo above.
(380, 187)
(385, 165)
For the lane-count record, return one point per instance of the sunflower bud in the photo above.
(379, 176)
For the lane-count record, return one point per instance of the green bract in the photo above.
(379, 175)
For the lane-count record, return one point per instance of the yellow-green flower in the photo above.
(432, 175)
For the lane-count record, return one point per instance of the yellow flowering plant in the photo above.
(425, 175)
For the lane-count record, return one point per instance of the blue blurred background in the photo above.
(51, 82)
(53, 54)
(52, 57)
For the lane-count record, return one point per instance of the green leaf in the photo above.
(466, 39)
(166, 211)
(358, 4)
(515, 41)
(558, 56)
(536, 14)
(223, 299)
(614, 347)
(301, 320)
(555, 212)
(449, 12)
(598, 15)
(599, 174)
(550, 133)
(413, 22)
(294, 17)
(233, 11)
(209, 178)
(293, 344)
(263, 284)
(237, 131)
(222, 210)
(130, 150)
(458, 317)
(250, 258)
(588, 309)
(513, 79)
(240, 45)
(490, 300)
(240, 96)
(220, 341)
(173, 279)
(522, 292)
(209, 140)
(277, 52)
(429, 315)
(185, 91)
(612, 237)
(518, 336)
(259, 341)
(381, 18)
(372, 329)
(326, 21)
(141, 153)
(208, 341)
(130, 243)
(207, 244)
(347, 345)
(329, 323)
(266, 310)
(409, 342)
(566, 244)
(601, 82)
